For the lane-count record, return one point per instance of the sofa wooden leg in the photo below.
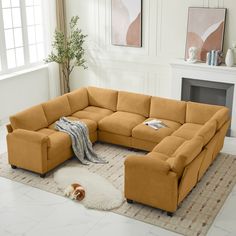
(13, 167)
(170, 214)
(129, 201)
(42, 176)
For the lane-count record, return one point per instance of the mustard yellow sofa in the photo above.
(178, 155)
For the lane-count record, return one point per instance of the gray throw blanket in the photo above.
(81, 143)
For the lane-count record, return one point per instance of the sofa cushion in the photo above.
(133, 103)
(91, 124)
(56, 108)
(161, 156)
(200, 113)
(120, 123)
(30, 119)
(58, 142)
(207, 131)
(185, 154)
(46, 131)
(104, 98)
(93, 113)
(169, 145)
(187, 131)
(169, 109)
(147, 133)
(78, 99)
(221, 117)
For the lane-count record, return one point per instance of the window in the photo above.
(21, 25)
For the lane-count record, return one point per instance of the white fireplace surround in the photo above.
(201, 71)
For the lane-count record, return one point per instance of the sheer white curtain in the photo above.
(54, 11)
(61, 25)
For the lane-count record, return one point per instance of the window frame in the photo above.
(3, 50)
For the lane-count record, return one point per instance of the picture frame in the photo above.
(126, 23)
(205, 30)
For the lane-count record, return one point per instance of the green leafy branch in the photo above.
(68, 50)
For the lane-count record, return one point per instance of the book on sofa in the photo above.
(155, 124)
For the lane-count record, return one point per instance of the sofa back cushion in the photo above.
(133, 103)
(185, 154)
(207, 131)
(78, 99)
(168, 109)
(200, 113)
(30, 119)
(221, 117)
(56, 108)
(104, 98)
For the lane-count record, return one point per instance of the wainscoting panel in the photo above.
(144, 69)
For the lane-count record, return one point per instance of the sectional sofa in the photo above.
(178, 157)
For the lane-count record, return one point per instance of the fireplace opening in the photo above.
(208, 95)
(215, 93)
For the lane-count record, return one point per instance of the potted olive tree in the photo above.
(68, 51)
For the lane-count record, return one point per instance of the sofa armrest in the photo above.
(150, 181)
(28, 150)
(30, 136)
(149, 163)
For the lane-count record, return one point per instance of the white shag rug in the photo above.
(99, 193)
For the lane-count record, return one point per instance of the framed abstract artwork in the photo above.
(205, 30)
(126, 23)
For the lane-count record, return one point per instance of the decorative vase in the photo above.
(229, 59)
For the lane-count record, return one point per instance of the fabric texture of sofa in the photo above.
(178, 157)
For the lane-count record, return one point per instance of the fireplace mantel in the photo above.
(200, 71)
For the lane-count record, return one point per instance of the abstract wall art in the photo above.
(205, 30)
(126, 23)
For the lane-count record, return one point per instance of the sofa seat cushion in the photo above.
(58, 143)
(187, 130)
(169, 145)
(120, 123)
(92, 113)
(147, 133)
(91, 124)
(58, 139)
(46, 131)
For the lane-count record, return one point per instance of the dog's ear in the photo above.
(75, 185)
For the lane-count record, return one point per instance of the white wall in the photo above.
(143, 69)
(22, 91)
(26, 88)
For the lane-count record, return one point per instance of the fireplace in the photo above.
(208, 92)
(205, 84)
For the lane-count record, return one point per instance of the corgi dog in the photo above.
(75, 192)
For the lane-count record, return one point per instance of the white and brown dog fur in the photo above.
(75, 192)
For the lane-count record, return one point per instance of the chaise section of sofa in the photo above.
(186, 154)
(179, 154)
